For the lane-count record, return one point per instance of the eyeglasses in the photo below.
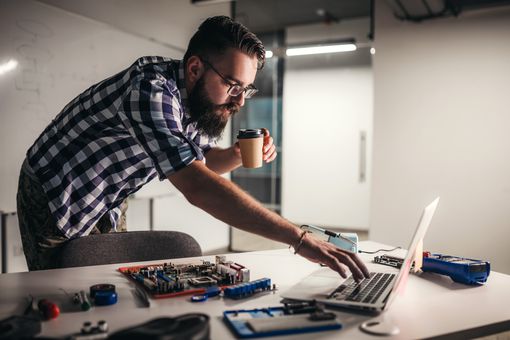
(235, 89)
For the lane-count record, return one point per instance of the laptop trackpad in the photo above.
(317, 285)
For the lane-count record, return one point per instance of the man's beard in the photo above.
(211, 118)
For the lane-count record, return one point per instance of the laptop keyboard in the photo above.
(367, 291)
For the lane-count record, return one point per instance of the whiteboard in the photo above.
(59, 55)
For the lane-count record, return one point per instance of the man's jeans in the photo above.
(39, 233)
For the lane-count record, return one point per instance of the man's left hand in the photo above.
(269, 149)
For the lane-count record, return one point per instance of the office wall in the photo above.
(60, 54)
(441, 128)
(64, 47)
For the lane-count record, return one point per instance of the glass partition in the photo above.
(264, 110)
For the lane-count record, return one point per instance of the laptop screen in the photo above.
(419, 234)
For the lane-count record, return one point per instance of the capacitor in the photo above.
(76, 298)
(84, 301)
(199, 298)
(87, 327)
(102, 326)
(105, 298)
(102, 287)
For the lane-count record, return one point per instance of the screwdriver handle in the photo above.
(48, 309)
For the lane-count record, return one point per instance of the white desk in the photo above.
(432, 305)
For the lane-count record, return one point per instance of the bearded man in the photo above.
(157, 118)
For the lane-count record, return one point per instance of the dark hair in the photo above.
(216, 34)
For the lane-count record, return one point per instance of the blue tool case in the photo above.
(459, 269)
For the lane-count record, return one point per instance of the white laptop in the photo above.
(373, 294)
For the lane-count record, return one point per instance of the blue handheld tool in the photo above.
(459, 269)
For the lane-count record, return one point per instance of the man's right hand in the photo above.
(320, 251)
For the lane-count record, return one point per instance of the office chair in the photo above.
(130, 246)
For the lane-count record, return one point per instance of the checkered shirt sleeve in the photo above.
(152, 114)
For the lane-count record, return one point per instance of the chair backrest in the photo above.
(130, 246)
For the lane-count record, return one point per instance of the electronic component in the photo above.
(299, 307)
(210, 292)
(247, 289)
(101, 287)
(103, 294)
(391, 261)
(202, 281)
(168, 279)
(105, 298)
(89, 332)
(274, 321)
(82, 299)
(199, 298)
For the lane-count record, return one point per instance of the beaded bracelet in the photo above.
(300, 241)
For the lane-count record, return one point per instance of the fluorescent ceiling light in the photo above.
(8, 66)
(208, 2)
(318, 49)
(269, 54)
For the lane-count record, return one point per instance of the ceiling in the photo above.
(270, 15)
(168, 22)
(173, 22)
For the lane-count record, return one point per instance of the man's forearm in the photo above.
(224, 200)
(222, 160)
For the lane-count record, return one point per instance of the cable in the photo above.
(65, 292)
(377, 251)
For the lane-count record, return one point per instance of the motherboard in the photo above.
(169, 279)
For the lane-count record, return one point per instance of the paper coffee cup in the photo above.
(251, 142)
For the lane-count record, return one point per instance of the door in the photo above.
(327, 131)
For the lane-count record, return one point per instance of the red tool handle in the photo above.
(48, 309)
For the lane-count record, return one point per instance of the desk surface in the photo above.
(432, 305)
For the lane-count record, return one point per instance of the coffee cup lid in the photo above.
(250, 133)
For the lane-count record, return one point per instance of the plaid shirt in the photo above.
(112, 139)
